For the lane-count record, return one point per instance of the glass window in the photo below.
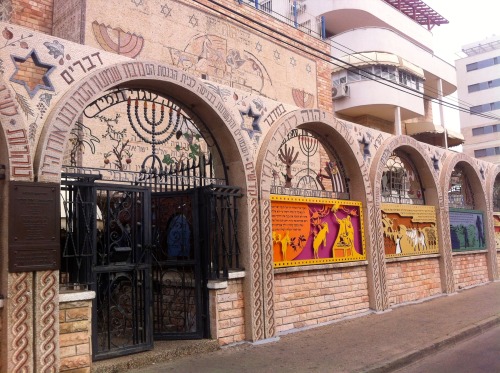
(478, 131)
(471, 66)
(459, 191)
(400, 181)
(480, 153)
(473, 88)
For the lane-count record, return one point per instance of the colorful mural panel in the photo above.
(467, 230)
(496, 222)
(409, 229)
(316, 231)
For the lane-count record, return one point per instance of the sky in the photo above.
(469, 21)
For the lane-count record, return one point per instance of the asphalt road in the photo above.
(480, 354)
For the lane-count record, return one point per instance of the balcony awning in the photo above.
(433, 134)
(379, 58)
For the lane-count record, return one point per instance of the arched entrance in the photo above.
(149, 215)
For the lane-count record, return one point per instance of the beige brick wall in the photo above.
(470, 270)
(230, 312)
(313, 297)
(411, 280)
(36, 15)
(498, 258)
(75, 336)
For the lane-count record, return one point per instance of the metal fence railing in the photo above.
(291, 12)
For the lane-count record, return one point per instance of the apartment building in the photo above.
(478, 76)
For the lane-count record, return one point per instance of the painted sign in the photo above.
(496, 222)
(409, 229)
(316, 231)
(467, 230)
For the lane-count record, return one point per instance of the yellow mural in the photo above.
(409, 229)
(316, 230)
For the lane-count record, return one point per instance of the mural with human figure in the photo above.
(409, 229)
(467, 230)
(316, 230)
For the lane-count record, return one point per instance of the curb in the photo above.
(448, 341)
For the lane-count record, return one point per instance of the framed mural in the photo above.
(467, 230)
(316, 231)
(409, 229)
(496, 222)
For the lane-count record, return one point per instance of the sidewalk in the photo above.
(373, 343)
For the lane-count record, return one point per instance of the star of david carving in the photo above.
(308, 68)
(137, 2)
(258, 47)
(250, 122)
(276, 54)
(193, 21)
(435, 162)
(293, 61)
(365, 147)
(165, 10)
(32, 74)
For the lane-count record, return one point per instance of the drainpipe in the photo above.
(441, 112)
(397, 120)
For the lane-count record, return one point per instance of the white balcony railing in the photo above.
(291, 12)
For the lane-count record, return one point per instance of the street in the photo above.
(478, 354)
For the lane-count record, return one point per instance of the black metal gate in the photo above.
(148, 256)
(106, 248)
(146, 235)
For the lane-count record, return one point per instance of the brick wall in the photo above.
(411, 280)
(313, 297)
(74, 336)
(36, 15)
(470, 269)
(498, 259)
(228, 313)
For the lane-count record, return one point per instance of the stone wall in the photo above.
(315, 296)
(469, 269)
(75, 332)
(412, 279)
(227, 311)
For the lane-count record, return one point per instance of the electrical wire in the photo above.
(319, 54)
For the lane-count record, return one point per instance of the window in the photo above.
(484, 107)
(482, 64)
(459, 190)
(488, 152)
(400, 181)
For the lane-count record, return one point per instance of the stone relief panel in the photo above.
(221, 51)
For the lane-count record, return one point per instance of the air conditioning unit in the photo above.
(339, 91)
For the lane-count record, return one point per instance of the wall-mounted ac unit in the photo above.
(339, 91)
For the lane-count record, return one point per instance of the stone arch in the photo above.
(341, 136)
(481, 180)
(15, 148)
(149, 75)
(421, 156)
(491, 175)
(202, 102)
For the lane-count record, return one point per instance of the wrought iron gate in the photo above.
(106, 247)
(148, 256)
